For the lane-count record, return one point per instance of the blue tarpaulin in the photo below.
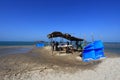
(40, 45)
(93, 51)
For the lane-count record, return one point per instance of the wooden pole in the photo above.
(85, 42)
(52, 44)
(92, 35)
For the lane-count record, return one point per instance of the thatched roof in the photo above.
(55, 34)
(66, 36)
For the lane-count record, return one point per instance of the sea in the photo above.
(17, 47)
(112, 47)
(16, 43)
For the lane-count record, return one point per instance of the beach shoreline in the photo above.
(6, 50)
(39, 64)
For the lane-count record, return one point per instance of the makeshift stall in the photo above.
(62, 35)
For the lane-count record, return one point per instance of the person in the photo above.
(67, 48)
(56, 46)
(67, 43)
(81, 46)
(77, 45)
(53, 45)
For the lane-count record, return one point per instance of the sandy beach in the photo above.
(39, 64)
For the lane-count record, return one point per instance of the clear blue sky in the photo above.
(30, 20)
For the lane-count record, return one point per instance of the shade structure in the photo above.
(55, 34)
(72, 38)
(66, 36)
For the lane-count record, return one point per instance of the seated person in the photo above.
(69, 50)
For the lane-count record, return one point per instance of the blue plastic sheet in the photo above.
(98, 44)
(40, 45)
(93, 51)
(99, 53)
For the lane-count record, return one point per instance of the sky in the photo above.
(31, 20)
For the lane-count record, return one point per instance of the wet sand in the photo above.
(5, 50)
(39, 64)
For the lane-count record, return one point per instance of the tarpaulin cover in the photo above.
(93, 51)
(40, 45)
